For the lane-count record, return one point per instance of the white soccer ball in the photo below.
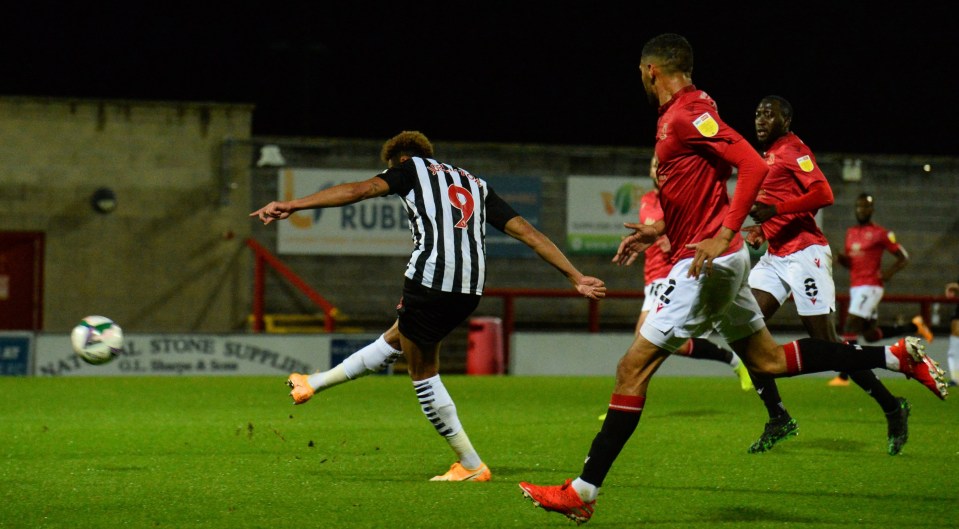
(97, 339)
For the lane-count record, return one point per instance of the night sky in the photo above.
(864, 77)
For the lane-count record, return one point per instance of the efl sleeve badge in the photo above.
(706, 125)
(805, 163)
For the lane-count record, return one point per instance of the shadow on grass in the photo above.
(753, 514)
(835, 445)
(892, 496)
(688, 413)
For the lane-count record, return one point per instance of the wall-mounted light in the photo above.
(851, 170)
(270, 156)
(104, 200)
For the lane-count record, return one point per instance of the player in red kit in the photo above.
(656, 268)
(707, 288)
(798, 263)
(952, 291)
(866, 242)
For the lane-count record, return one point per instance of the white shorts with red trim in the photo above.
(864, 301)
(652, 290)
(806, 275)
(695, 306)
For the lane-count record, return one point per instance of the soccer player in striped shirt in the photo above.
(710, 290)
(448, 209)
(798, 263)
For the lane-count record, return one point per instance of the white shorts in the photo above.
(652, 292)
(806, 274)
(693, 307)
(864, 302)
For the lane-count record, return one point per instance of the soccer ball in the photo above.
(97, 339)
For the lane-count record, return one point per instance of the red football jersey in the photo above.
(657, 264)
(690, 143)
(864, 246)
(792, 169)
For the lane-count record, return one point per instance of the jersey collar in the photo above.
(682, 91)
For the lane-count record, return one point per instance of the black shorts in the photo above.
(427, 316)
(956, 315)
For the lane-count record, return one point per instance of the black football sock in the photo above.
(870, 383)
(621, 421)
(768, 391)
(702, 348)
(851, 339)
(809, 355)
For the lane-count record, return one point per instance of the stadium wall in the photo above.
(919, 205)
(170, 257)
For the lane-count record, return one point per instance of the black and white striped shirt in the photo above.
(447, 209)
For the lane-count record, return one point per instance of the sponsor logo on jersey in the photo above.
(706, 125)
(805, 163)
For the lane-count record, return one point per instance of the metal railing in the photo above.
(510, 295)
(262, 258)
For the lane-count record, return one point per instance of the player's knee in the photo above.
(392, 336)
(639, 359)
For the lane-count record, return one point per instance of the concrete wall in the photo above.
(163, 261)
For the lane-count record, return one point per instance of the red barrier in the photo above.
(264, 257)
(484, 351)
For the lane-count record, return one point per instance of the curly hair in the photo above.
(409, 143)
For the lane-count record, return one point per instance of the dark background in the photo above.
(865, 77)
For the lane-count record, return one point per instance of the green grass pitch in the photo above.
(233, 452)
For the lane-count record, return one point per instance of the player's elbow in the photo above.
(358, 191)
(826, 196)
(828, 200)
(519, 229)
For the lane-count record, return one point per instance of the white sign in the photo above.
(202, 354)
(376, 226)
(597, 207)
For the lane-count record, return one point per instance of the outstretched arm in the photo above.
(339, 195)
(643, 236)
(521, 230)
